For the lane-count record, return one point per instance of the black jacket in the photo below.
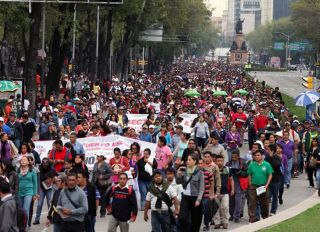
(91, 196)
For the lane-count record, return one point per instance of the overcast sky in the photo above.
(220, 5)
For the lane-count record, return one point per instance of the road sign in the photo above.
(279, 46)
(294, 46)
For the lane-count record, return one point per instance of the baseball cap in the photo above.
(1, 119)
(151, 126)
(179, 127)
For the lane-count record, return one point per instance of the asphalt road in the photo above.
(289, 82)
(298, 192)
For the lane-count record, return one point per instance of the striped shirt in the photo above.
(207, 180)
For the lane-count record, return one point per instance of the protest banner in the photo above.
(187, 121)
(94, 146)
(136, 121)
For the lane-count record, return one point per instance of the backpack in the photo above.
(22, 218)
(129, 191)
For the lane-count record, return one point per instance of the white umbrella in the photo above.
(307, 98)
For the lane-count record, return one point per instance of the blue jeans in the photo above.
(287, 178)
(43, 194)
(318, 177)
(205, 210)
(17, 142)
(25, 202)
(143, 189)
(160, 221)
(274, 193)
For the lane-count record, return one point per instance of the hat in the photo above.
(279, 134)
(151, 127)
(179, 127)
(296, 121)
(1, 119)
(10, 100)
(307, 121)
(55, 110)
(51, 124)
(12, 115)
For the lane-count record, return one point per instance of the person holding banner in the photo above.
(118, 165)
(163, 154)
(145, 166)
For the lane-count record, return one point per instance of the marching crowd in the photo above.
(189, 180)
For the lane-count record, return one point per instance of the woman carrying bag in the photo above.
(192, 180)
(310, 163)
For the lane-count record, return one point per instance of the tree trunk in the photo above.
(59, 50)
(32, 56)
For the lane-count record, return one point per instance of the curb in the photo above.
(282, 216)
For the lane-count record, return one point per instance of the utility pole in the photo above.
(97, 42)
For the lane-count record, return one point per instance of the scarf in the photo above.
(190, 171)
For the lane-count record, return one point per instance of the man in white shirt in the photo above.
(159, 199)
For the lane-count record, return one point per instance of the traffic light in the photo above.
(309, 82)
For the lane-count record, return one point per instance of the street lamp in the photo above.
(228, 57)
(288, 56)
(249, 54)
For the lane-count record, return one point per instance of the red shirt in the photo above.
(239, 119)
(260, 122)
(60, 155)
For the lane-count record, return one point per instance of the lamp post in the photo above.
(228, 57)
(288, 56)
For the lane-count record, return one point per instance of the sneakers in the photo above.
(36, 223)
(206, 228)
(288, 186)
(231, 219)
(217, 226)
(237, 220)
(271, 214)
(225, 226)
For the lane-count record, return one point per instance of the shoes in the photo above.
(231, 219)
(36, 223)
(280, 201)
(225, 226)
(217, 226)
(288, 186)
(241, 215)
(102, 216)
(212, 223)
(237, 220)
(271, 214)
(206, 228)
(252, 220)
(319, 192)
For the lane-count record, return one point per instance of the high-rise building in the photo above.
(251, 12)
(267, 10)
(281, 8)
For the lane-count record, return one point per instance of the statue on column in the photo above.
(239, 26)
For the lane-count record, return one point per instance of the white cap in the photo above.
(151, 126)
(1, 119)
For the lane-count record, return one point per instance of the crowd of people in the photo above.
(207, 177)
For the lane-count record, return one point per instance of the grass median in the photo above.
(308, 221)
(291, 105)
